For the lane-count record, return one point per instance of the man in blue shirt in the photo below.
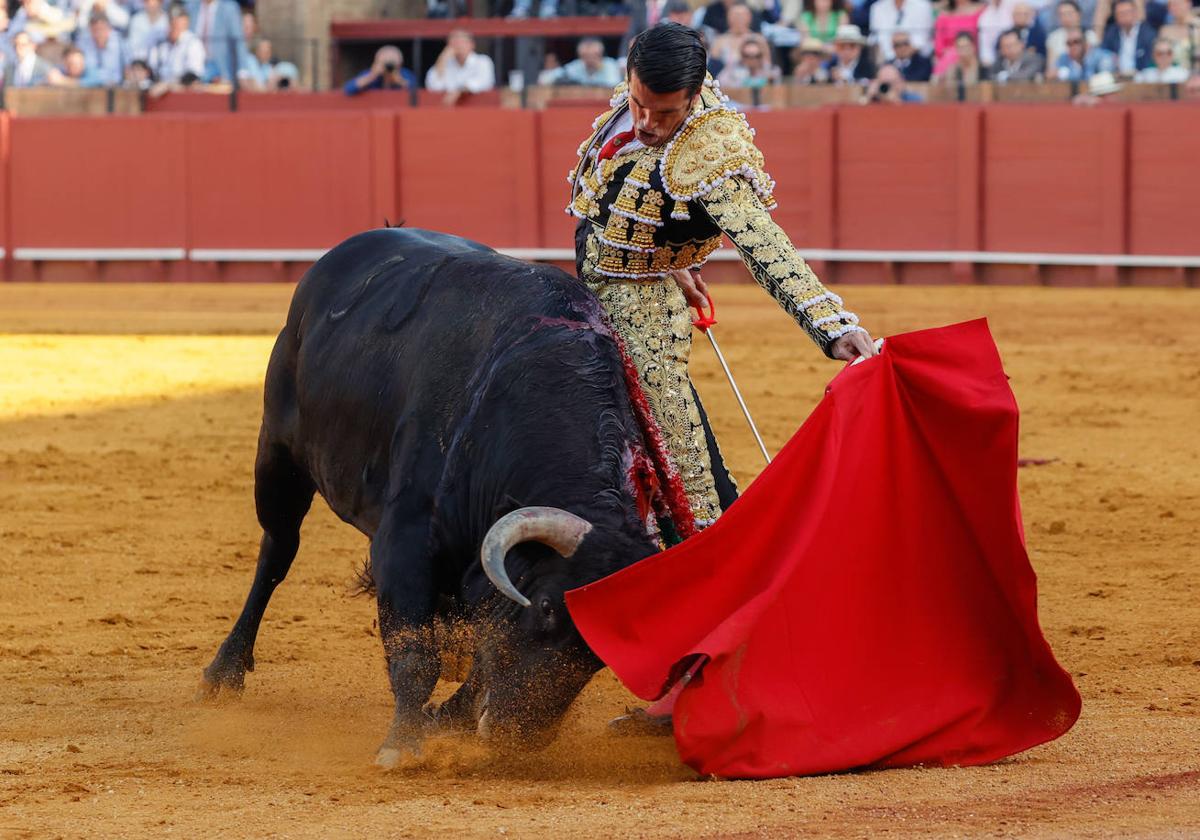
(592, 68)
(387, 73)
(104, 52)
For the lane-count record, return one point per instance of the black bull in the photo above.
(447, 401)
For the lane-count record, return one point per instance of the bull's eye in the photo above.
(547, 608)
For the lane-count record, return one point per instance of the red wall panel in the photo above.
(897, 177)
(280, 180)
(1164, 180)
(561, 132)
(116, 182)
(797, 146)
(471, 173)
(1054, 179)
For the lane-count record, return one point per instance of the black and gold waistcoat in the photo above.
(647, 211)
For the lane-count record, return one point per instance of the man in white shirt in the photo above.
(995, 19)
(891, 16)
(459, 69)
(181, 54)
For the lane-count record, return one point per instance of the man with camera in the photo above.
(387, 73)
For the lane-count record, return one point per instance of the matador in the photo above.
(667, 170)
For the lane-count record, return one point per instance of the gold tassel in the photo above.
(680, 211)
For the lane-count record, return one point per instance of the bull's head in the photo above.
(535, 661)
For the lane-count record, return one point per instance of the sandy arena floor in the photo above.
(128, 419)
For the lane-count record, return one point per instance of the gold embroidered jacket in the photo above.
(647, 211)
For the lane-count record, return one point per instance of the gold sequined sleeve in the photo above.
(773, 262)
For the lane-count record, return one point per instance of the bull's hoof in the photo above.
(221, 681)
(398, 756)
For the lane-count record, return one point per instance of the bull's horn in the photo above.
(552, 526)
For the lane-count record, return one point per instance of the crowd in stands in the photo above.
(882, 45)
(141, 44)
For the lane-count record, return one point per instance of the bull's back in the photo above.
(386, 338)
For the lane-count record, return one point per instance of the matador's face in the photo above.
(657, 116)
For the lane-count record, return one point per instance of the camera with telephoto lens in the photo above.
(390, 67)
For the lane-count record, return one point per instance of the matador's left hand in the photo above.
(852, 345)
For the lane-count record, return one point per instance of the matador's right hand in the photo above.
(694, 289)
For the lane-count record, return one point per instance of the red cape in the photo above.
(868, 602)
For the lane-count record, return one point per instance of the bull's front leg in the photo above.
(401, 566)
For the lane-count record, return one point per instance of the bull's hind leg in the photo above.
(283, 493)
(402, 568)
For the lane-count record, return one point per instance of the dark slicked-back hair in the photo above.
(669, 57)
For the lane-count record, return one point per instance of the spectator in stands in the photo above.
(113, 10)
(959, 16)
(1151, 12)
(42, 21)
(715, 16)
(753, 68)
(967, 68)
(1099, 86)
(1182, 29)
(139, 76)
(809, 62)
(6, 33)
(891, 16)
(913, 66)
(676, 11)
(1164, 71)
(1029, 29)
(284, 76)
(1079, 62)
(180, 58)
(851, 64)
(1017, 63)
(890, 88)
(147, 28)
(218, 24)
(459, 69)
(522, 8)
(818, 19)
(1070, 18)
(995, 18)
(27, 69)
(104, 51)
(1129, 39)
(550, 67)
(728, 46)
(592, 68)
(387, 72)
(258, 70)
(75, 71)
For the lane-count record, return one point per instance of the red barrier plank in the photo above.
(898, 177)
(280, 180)
(560, 133)
(113, 182)
(5, 195)
(471, 173)
(1164, 179)
(797, 146)
(1054, 179)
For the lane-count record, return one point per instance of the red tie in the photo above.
(615, 142)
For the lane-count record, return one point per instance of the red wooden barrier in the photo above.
(474, 174)
(82, 182)
(270, 189)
